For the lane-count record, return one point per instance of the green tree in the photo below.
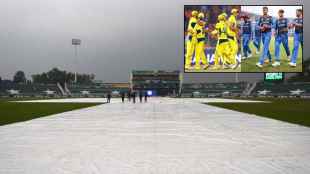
(58, 76)
(19, 77)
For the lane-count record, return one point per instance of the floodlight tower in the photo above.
(237, 77)
(76, 43)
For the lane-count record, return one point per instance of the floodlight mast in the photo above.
(76, 43)
(237, 77)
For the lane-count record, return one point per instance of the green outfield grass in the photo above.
(289, 110)
(248, 65)
(11, 112)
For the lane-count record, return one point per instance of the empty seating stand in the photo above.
(212, 89)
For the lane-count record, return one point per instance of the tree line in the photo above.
(53, 76)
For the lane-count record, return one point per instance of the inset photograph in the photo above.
(225, 38)
(271, 38)
(211, 38)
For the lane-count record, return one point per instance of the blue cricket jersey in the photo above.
(267, 20)
(297, 28)
(246, 27)
(281, 25)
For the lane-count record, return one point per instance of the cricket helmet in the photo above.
(234, 10)
(201, 16)
(221, 17)
(194, 13)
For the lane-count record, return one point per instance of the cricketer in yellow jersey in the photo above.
(216, 52)
(191, 39)
(232, 35)
(199, 48)
(222, 47)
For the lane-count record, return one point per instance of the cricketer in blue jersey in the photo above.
(246, 37)
(281, 37)
(257, 38)
(298, 36)
(265, 23)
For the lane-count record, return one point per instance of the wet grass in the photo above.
(289, 110)
(12, 112)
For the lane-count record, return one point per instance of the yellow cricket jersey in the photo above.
(191, 25)
(221, 27)
(199, 30)
(232, 21)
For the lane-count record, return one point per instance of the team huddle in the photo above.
(226, 50)
(230, 33)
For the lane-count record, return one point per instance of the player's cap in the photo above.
(221, 17)
(265, 7)
(281, 11)
(194, 13)
(234, 10)
(201, 15)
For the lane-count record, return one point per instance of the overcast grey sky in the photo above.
(117, 36)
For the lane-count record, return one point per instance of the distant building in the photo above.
(160, 83)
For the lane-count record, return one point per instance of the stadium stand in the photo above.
(303, 76)
(165, 83)
(97, 89)
(30, 90)
(282, 89)
(161, 83)
(213, 89)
